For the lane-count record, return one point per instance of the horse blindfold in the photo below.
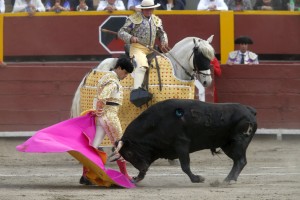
(200, 61)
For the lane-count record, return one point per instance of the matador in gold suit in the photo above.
(143, 27)
(106, 104)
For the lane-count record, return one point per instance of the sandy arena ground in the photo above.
(272, 173)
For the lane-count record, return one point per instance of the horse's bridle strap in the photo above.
(186, 72)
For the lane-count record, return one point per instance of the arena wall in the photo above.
(37, 95)
(273, 89)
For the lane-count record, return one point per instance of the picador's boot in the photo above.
(122, 167)
(84, 180)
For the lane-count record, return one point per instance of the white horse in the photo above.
(190, 59)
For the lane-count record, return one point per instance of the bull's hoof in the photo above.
(85, 181)
(135, 179)
(197, 179)
(228, 182)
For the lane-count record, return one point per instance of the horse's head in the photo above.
(203, 53)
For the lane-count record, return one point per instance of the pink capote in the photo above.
(75, 136)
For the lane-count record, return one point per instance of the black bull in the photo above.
(174, 128)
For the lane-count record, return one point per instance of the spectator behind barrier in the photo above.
(212, 5)
(30, 6)
(111, 5)
(2, 6)
(286, 5)
(131, 5)
(268, 5)
(75, 3)
(173, 4)
(82, 6)
(242, 56)
(239, 5)
(57, 5)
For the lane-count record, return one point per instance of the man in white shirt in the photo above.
(242, 56)
(212, 5)
(131, 5)
(2, 6)
(111, 5)
(30, 6)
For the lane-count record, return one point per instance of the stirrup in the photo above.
(140, 97)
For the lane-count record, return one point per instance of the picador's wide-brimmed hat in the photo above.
(243, 40)
(147, 4)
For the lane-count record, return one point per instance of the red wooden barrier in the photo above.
(273, 89)
(34, 96)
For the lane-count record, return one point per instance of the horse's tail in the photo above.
(75, 108)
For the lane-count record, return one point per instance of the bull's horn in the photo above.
(120, 144)
(116, 158)
(113, 154)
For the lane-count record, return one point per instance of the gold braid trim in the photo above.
(137, 18)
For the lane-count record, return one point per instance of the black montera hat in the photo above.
(243, 40)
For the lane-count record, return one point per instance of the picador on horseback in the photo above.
(140, 31)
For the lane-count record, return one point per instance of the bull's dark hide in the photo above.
(174, 128)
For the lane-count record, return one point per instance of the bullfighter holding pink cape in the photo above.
(81, 136)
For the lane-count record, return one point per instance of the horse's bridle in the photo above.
(195, 66)
(195, 69)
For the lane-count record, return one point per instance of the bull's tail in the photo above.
(215, 152)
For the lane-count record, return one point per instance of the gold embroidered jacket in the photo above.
(110, 89)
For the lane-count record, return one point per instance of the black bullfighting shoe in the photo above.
(85, 181)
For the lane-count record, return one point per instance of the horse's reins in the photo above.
(186, 72)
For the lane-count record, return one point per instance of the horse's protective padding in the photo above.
(171, 88)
